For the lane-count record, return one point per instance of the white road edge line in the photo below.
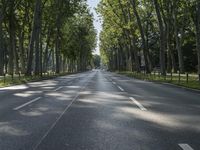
(58, 88)
(138, 104)
(185, 146)
(114, 83)
(25, 104)
(120, 88)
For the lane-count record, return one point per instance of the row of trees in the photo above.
(162, 34)
(37, 36)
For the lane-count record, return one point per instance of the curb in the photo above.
(164, 83)
(182, 87)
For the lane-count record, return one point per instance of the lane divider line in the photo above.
(54, 124)
(25, 104)
(120, 88)
(58, 88)
(138, 104)
(57, 120)
(114, 83)
(185, 146)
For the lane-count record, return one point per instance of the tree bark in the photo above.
(198, 34)
(162, 38)
(145, 49)
(45, 59)
(22, 51)
(33, 37)
(1, 48)
(2, 44)
(11, 38)
(37, 40)
(178, 41)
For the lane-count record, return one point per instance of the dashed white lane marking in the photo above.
(58, 88)
(185, 146)
(25, 104)
(114, 83)
(120, 88)
(138, 104)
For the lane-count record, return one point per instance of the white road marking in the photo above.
(114, 83)
(25, 104)
(58, 88)
(54, 124)
(120, 88)
(138, 104)
(185, 146)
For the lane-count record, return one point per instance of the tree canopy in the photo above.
(148, 34)
(37, 36)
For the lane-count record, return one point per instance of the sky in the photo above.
(93, 4)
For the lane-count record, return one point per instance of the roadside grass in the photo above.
(8, 80)
(189, 82)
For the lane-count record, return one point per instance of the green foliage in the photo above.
(63, 30)
(121, 40)
(96, 61)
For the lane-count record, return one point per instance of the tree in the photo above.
(162, 38)
(33, 36)
(97, 61)
(197, 27)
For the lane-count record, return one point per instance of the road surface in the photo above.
(98, 110)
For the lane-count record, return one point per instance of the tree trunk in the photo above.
(198, 35)
(57, 51)
(16, 56)
(22, 51)
(145, 49)
(45, 59)
(11, 38)
(1, 49)
(178, 42)
(2, 44)
(41, 53)
(135, 54)
(162, 38)
(33, 37)
(37, 40)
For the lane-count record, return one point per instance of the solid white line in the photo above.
(120, 88)
(58, 88)
(54, 124)
(138, 104)
(185, 146)
(32, 101)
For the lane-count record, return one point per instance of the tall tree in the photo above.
(35, 27)
(144, 41)
(197, 27)
(162, 38)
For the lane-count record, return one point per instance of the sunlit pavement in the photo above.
(98, 110)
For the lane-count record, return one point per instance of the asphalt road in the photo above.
(98, 110)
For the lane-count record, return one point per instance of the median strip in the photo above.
(185, 146)
(25, 104)
(138, 104)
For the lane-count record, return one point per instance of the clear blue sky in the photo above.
(93, 4)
